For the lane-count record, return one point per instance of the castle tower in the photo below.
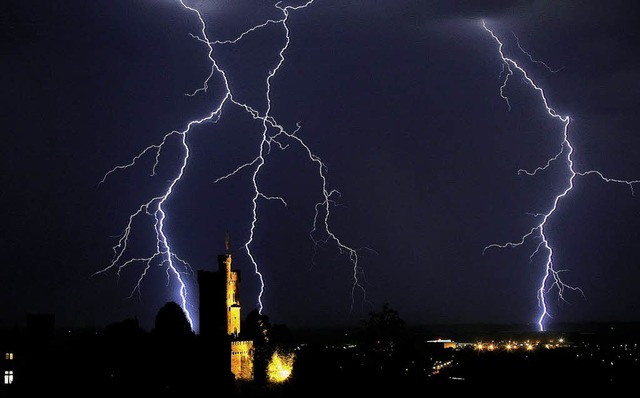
(219, 298)
(220, 314)
(232, 291)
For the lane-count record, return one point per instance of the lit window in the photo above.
(8, 356)
(8, 376)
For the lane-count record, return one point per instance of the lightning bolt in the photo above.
(551, 276)
(272, 135)
(535, 61)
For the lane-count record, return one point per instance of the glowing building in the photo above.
(220, 315)
(443, 343)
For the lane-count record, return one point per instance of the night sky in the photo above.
(401, 102)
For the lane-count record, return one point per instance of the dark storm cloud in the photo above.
(13, 28)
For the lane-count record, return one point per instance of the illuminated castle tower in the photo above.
(220, 314)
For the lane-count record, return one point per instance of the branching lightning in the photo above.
(535, 61)
(272, 134)
(551, 280)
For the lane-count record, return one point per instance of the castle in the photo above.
(220, 316)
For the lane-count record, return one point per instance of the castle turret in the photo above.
(220, 312)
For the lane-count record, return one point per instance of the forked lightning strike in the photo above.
(551, 276)
(272, 134)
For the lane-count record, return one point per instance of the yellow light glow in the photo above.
(280, 367)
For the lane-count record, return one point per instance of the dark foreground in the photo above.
(498, 360)
(503, 360)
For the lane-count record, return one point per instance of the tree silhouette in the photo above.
(171, 321)
(384, 329)
(257, 328)
(172, 358)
